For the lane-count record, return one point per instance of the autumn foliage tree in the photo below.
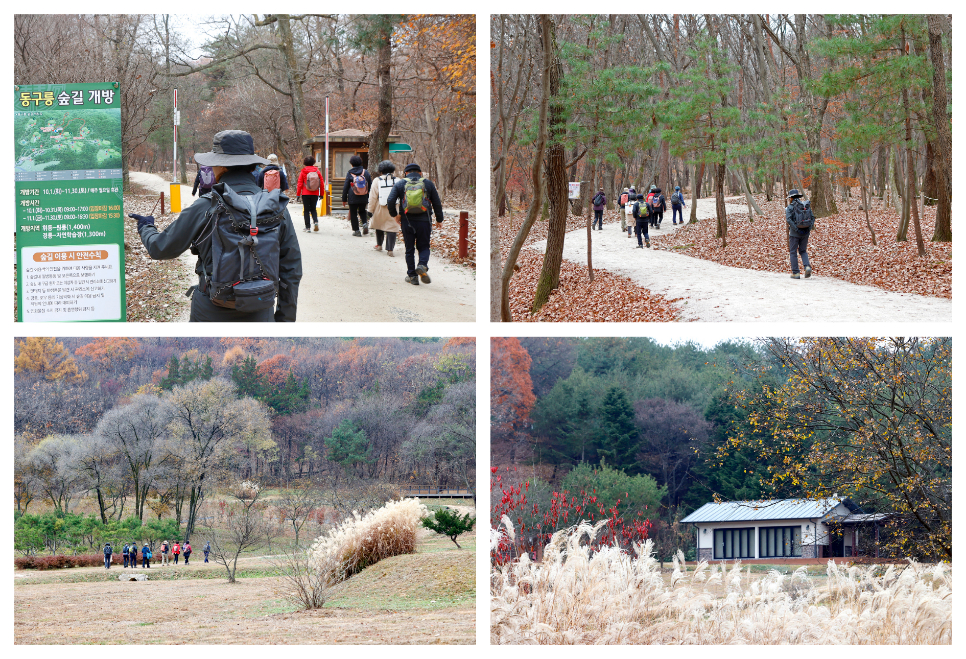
(511, 390)
(47, 359)
(867, 418)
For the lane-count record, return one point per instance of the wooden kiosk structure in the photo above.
(343, 144)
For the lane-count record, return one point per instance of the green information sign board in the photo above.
(70, 202)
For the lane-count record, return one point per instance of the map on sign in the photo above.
(58, 140)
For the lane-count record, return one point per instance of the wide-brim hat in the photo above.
(794, 193)
(230, 148)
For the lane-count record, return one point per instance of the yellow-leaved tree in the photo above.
(46, 358)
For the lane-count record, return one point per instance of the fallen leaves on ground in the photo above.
(840, 246)
(609, 298)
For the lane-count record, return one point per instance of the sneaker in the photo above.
(648, 243)
(795, 275)
(357, 233)
(808, 271)
(422, 271)
(414, 280)
(389, 252)
(378, 248)
(365, 228)
(307, 229)
(316, 228)
(640, 247)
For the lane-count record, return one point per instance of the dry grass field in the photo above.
(422, 598)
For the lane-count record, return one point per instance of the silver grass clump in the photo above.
(580, 596)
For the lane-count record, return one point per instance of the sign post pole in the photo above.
(69, 202)
(328, 189)
(175, 186)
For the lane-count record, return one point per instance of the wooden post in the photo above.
(162, 202)
(464, 233)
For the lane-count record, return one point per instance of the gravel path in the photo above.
(345, 279)
(707, 291)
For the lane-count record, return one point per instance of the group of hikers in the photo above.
(130, 553)
(648, 211)
(249, 259)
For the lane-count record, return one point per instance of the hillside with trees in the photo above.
(682, 425)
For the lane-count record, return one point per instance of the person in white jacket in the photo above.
(386, 225)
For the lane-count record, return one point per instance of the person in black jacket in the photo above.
(357, 202)
(282, 178)
(797, 238)
(416, 222)
(204, 179)
(108, 551)
(233, 159)
(658, 205)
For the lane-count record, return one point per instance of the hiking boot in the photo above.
(422, 271)
(414, 280)
(357, 233)
(795, 275)
(640, 247)
(307, 229)
(808, 271)
(365, 228)
(389, 252)
(316, 228)
(648, 243)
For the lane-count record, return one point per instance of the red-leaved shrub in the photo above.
(58, 562)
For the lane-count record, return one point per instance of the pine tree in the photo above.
(619, 437)
(449, 523)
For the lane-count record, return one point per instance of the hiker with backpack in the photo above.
(124, 553)
(187, 551)
(165, 550)
(629, 208)
(600, 200)
(204, 179)
(309, 190)
(207, 550)
(384, 224)
(146, 556)
(418, 201)
(677, 203)
(108, 551)
(800, 220)
(132, 554)
(355, 192)
(656, 205)
(272, 177)
(249, 264)
(622, 204)
(641, 213)
(176, 550)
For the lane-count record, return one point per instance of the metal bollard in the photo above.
(464, 233)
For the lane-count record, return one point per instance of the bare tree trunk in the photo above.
(719, 204)
(865, 200)
(943, 158)
(694, 192)
(548, 58)
(377, 141)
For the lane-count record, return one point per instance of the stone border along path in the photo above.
(708, 291)
(345, 279)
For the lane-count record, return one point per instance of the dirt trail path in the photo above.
(345, 279)
(707, 291)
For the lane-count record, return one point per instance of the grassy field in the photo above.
(421, 598)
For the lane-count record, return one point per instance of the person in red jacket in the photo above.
(176, 550)
(310, 190)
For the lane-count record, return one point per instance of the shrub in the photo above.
(58, 562)
(582, 595)
(361, 541)
(449, 523)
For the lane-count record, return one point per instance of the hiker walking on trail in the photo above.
(124, 553)
(187, 551)
(207, 550)
(108, 551)
(176, 551)
(309, 190)
(622, 204)
(133, 554)
(146, 556)
(677, 203)
(800, 220)
(384, 224)
(600, 200)
(657, 205)
(641, 212)
(629, 210)
(269, 180)
(418, 201)
(165, 550)
(355, 192)
(204, 179)
(248, 254)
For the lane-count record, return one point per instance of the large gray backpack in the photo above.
(243, 239)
